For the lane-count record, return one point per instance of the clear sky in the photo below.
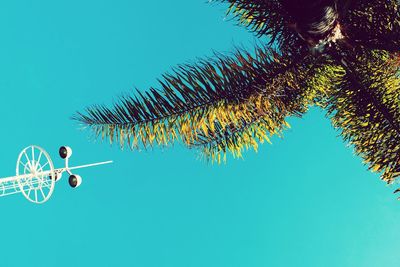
(306, 200)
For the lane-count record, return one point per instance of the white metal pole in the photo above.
(90, 165)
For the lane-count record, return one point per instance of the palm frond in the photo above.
(262, 116)
(192, 98)
(260, 119)
(365, 106)
(268, 18)
(262, 17)
(374, 24)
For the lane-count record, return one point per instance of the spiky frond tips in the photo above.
(262, 17)
(198, 100)
(266, 18)
(261, 116)
(374, 24)
(366, 108)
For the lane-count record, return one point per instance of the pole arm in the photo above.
(23, 176)
(90, 165)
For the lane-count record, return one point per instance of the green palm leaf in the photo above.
(364, 105)
(262, 116)
(374, 24)
(193, 99)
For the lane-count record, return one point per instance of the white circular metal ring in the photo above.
(38, 178)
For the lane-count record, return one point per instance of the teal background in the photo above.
(306, 200)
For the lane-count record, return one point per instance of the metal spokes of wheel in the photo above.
(37, 169)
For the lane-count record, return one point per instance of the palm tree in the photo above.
(340, 55)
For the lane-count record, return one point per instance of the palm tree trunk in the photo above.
(314, 20)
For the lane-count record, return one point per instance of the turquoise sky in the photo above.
(306, 200)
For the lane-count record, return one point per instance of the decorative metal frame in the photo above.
(35, 174)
